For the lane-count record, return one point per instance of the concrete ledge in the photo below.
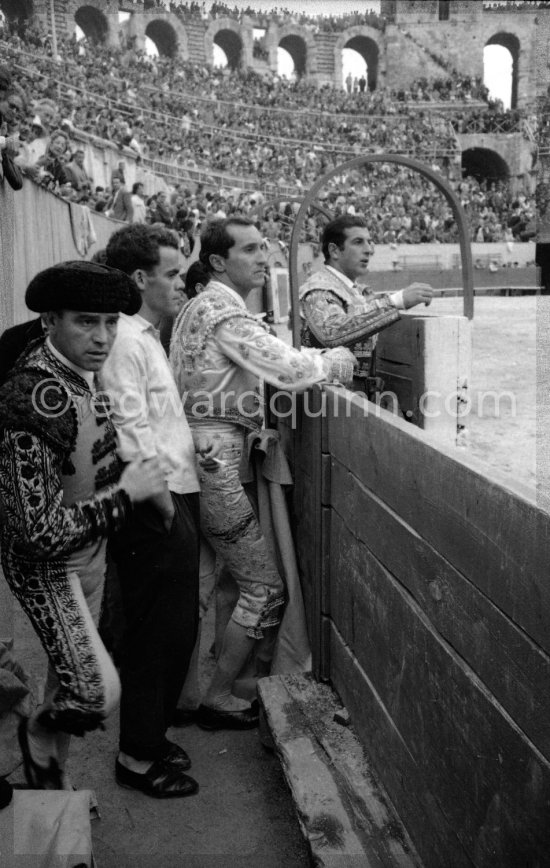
(344, 815)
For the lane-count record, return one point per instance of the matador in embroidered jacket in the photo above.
(219, 353)
(61, 495)
(336, 310)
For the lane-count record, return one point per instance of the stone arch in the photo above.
(92, 22)
(484, 164)
(300, 44)
(228, 34)
(512, 43)
(163, 35)
(17, 9)
(366, 41)
(166, 31)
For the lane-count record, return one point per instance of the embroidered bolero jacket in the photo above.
(219, 353)
(335, 314)
(40, 407)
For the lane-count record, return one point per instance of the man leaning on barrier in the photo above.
(337, 311)
(220, 352)
(61, 495)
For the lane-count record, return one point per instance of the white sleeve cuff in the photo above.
(396, 299)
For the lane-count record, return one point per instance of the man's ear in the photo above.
(217, 261)
(48, 318)
(139, 276)
(333, 250)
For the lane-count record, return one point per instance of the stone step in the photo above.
(195, 37)
(344, 815)
(325, 52)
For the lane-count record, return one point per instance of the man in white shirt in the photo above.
(139, 208)
(157, 556)
(336, 311)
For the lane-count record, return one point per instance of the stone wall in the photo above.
(414, 43)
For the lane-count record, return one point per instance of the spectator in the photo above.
(139, 209)
(50, 169)
(120, 173)
(76, 173)
(163, 212)
(120, 204)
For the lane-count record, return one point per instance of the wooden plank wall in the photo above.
(434, 593)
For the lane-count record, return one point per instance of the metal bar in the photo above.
(54, 31)
(415, 165)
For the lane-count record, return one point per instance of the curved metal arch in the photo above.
(357, 162)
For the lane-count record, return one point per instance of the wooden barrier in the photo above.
(428, 602)
(425, 364)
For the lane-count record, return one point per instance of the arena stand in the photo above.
(233, 121)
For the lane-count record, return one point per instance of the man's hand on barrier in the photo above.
(342, 363)
(417, 293)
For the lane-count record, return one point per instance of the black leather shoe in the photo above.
(38, 777)
(214, 718)
(176, 756)
(184, 717)
(161, 781)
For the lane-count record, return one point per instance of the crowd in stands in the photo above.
(238, 122)
(403, 209)
(281, 15)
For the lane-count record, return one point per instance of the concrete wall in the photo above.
(37, 231)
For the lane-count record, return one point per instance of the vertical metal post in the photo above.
(54, 31)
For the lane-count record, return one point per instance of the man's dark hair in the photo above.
(100, 256)
(195, 274)
(136, 186)
(216, 239)
(335, 231)
(137, 246)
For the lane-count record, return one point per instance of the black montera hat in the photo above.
(81, 285)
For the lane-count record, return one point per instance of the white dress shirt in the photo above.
(148, 413)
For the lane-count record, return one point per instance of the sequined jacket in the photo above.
(335, 314)
(50, 509)
(219, 353)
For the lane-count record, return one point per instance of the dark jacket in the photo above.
(13, 341)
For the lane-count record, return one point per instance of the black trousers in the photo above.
(159, 581)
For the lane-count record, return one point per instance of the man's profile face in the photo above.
(163, 285)
(353, 258)
(85, 339)
(245, 265)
